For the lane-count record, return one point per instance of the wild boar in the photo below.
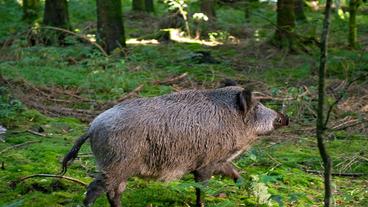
(165, 137)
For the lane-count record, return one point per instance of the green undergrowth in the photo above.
(274, 173)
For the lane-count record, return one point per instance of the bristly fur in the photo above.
(167, 136)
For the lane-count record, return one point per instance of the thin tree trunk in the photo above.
(138, 5)
(56, 14)
(247, 8)
(299, 10)
(353, 7)
(110, 30)
(285, 23)
(327, 162)
(208, 8)
(249, 5)
(31, 10)
(149, 6)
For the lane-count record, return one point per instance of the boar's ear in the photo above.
(228, 82)
(245, 100)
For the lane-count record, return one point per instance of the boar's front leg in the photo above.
(114, 194)
(94, 190)
(202, 176)
(228, 170)
(111, 184)
(115, 185)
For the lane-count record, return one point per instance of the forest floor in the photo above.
(49, 93)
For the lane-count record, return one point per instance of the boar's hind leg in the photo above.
(94, 190)
(201, 176)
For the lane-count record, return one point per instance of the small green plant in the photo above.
(199, 19)
(260, 191)
(10, 108)
(180, 6)
(220, 36)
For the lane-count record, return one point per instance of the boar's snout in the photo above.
(281, 120)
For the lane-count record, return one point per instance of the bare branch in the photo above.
(18, 145)
(79, 36)
(339, 98)
(14, 183)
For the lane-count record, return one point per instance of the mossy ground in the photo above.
(274, 168)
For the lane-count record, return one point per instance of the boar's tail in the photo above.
(72, 154)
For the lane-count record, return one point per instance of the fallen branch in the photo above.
(14, 183)
(48, 93)
(269, 98)
(129, 95)
(36, 133)
(347, 124)
(19, 145)
(262, 96)
(57, 90)
(57, 111)
(79, 36)
(85, 155)
(337, 174)
(60, 100)
(336, 127)
(171, 80)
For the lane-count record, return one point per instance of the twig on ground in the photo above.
(60, 100)
(262, 96)
(85, 155)
(347, 124)
(171, 80)
(273, 159)
(36, 133)
(129, 95)
(339, 126)
(45, 93)
(14, 183)
(18, 145)
(265, 98)
(57, 90)
(337, 174)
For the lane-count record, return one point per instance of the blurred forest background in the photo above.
(63, 62)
